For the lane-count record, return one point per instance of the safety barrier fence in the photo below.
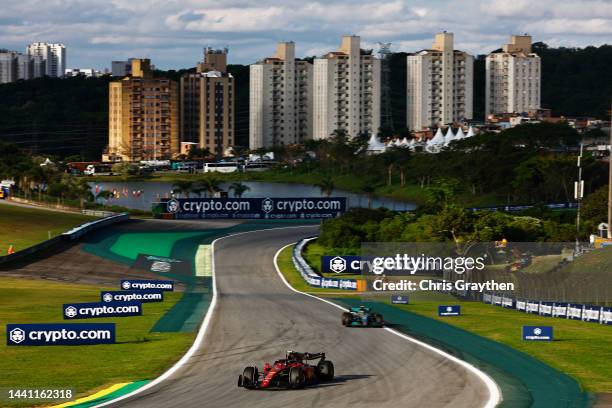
(563, 310)
(66, 236)
(314, 279)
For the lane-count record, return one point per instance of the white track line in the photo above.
(203, 328)
(495, 396)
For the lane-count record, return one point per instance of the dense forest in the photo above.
(70, 116)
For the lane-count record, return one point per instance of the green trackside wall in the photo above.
(524, 381)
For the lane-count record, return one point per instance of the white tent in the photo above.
(449, 136)
(375, 145)
(404, 142)
(434, 144)
(460, 135)
(438, 139)
(470, 132)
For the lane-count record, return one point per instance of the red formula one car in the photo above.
(293, 371)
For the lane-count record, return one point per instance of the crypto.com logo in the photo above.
(267, 205)
(537, 331)
(172, 206)
(107, 297)
(71, 311)
(17, 335)
(126, 285)
(337, 264)
(161, 266)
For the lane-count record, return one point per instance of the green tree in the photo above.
(183, 187)
(239, 189)
(326, 185)
(211, 185)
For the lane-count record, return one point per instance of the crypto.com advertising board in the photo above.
(285, 208)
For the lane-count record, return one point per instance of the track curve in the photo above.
(257, 318)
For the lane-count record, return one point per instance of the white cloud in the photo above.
(173, 32)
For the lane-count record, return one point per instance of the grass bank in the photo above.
(23, 227)
(137, 355)
(582, 350)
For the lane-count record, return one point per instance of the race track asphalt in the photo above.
(257, 318)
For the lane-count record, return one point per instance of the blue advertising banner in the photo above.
(574, 311)
(606, 315)
(147, 284)
(251, 208)
(399, 299)
(144, 296)
(546, 309)
(591, 314)
(341, 263)
(449, 310)
(60, 334)
(538, 333)
(101, 309)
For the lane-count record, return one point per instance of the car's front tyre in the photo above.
(325, 370)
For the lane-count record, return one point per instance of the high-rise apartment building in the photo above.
(15, 66)
(346, 91)
(54, 56)
(143, 116)
(8, 67)
(121, 68)
(513, 78)
(207, 104)
(280, 101)
(439, 85)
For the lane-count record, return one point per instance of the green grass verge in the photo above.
(582, 350)
(137, 355)
(23, 227)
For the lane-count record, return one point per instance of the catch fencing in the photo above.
(563, 310)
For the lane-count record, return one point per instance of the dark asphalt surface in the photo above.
(257, 318)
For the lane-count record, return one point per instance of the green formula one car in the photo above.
(362, 317)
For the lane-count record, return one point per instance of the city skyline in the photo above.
(173, 34)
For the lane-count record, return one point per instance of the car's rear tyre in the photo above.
(346, 319)
(296, 377)
(250, 375)
(325, 370)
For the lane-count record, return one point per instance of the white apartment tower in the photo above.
(54, 56)
(513, 78)
(439, 85)
(346, 91)
(280, 99)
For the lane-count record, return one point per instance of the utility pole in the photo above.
(578, 195)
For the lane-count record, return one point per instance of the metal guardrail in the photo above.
(66, 236)
(314, 279)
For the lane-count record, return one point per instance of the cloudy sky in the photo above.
(173, 32)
